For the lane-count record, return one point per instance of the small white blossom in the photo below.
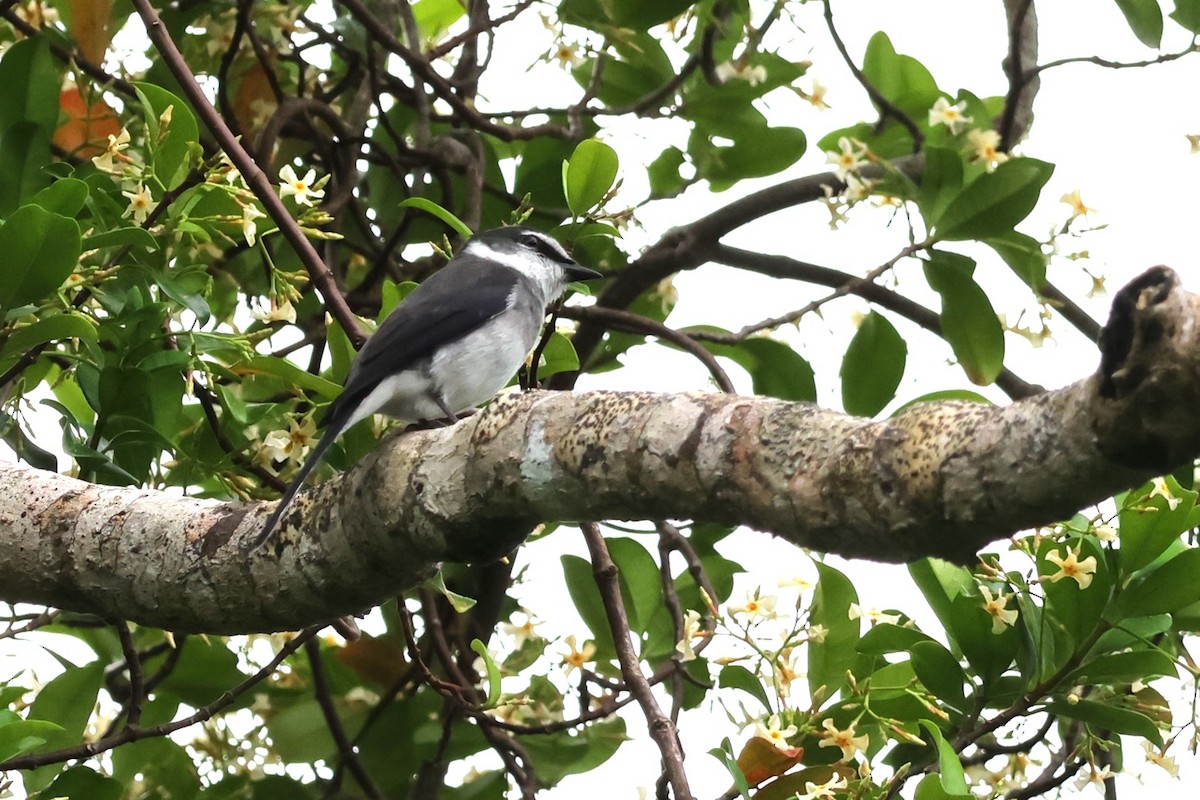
(952, 116)
(692, 628)
(300, 188)
(140, 204)
(844, 739)
(1002, 617)
(773, 733)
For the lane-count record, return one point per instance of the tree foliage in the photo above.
(197, 234)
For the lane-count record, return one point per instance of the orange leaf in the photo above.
(89, 26)
(380, 661)
(254, 101)
(760, 760)
(86, 131)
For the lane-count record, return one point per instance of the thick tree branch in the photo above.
(939, 479)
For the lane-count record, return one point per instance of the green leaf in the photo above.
(24, 154)
(640, 581)
(663, 173)
(941, 181)
(82, 783)
(40, 250)
(901, 79)
(1127, 667)
(1076, 609)
(30, 79)
(872, 367)
(19, 736)
(950, 770)
(758, 150)
(888, 638)
(735, 676)
(289, 372)
(65, 196)
(162, 768)
(776, 370)
(1187, 14)
(1145, 20)
(588, 175)
(170, 144)
(1024, 256)
(941, 673)
(493, 673)
(1148, 523)
(1170, 587)
(969, 323)
(47, 329)
(559, 356)
(636, 14)
(430, 207)
(1107, 717)
(831, 659)
(994, 202)
(564, 753)
(434, 17)
(67, 701)
(581, 585)
(120, 237)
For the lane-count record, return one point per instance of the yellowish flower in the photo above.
(822, 791)
(576, 657)
(140, 204)
(1002, 617)
(1162, 489)
(116, 144)
(249, 226)
(1161, 759)
(985, 147)
(874, 615)
(1078, 208)
(773, 733)
(521, 633)
(756, 605)
(692, 628)
(1072, 567)
(845, 739)
(817, 95)
(1193, 142)
(292, 444)
(952, 116)
(849, 156)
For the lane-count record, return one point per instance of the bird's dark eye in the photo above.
(531, 241)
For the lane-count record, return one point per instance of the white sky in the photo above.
(1117, 136)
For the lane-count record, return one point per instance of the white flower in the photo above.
(1163, 490)
(1161, 759)
(576, 657)
(823, 791)
(756, 605)
(773, 733)
(985, 147)
(300, 188)
(845, 739)
(1078, 209)
(292, 444)
(692, 628)
(116, 144)
(521, 633)
(752, 74)
(140, 204)
(1002, 617)
(951, 116)
(249, 226)
(856, 188)
(873, 614)
(847, 158)
(817, 633)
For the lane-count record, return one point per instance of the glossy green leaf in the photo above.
(1187, 14)
(950, 770)
(282, 368)
(564, 753)
(41, 250)
(1107, 717)
(831, 659)
(434, 17)
(171, 143)
(776, 370)
(47, 329)
(83, 783)
(941, 673)
(639, 578)
(735, 676)
(67, 701)
(161, 767)
(636, 14)
(19, 736)
(1024, 256)
(901, 79)
(430, 207)
(65, 196)
(887, 638)
(588, 175)
(663, 173)
(1145, 20)
(758, 151)
(30, 78)
(559, 356)
(1150, 522)
(994, 202)
(873, 366)
(121, 237)
(492, 672)
(969, 323)
(203, 672)
(941, 181)
(1170, 587)
(24, 154)
(1127, 667)
(581, 585)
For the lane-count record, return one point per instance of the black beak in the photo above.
(578, 272)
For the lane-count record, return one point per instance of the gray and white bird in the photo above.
(454, 342)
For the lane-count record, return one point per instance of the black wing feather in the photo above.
(438, 311)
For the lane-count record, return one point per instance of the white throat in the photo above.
(545, 274)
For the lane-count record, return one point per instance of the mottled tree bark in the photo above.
(939, 479)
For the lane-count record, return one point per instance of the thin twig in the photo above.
(137, 686)
(324, 696)
(88, 749)
(662, 731)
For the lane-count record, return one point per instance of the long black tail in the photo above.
(331, 434)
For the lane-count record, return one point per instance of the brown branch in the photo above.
(662, 730)
(256, 180)
(137, 685)
(615, 319)
(1021, 67)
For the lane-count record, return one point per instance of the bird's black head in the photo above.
(530, 252)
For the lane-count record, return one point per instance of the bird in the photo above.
(452, 343)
